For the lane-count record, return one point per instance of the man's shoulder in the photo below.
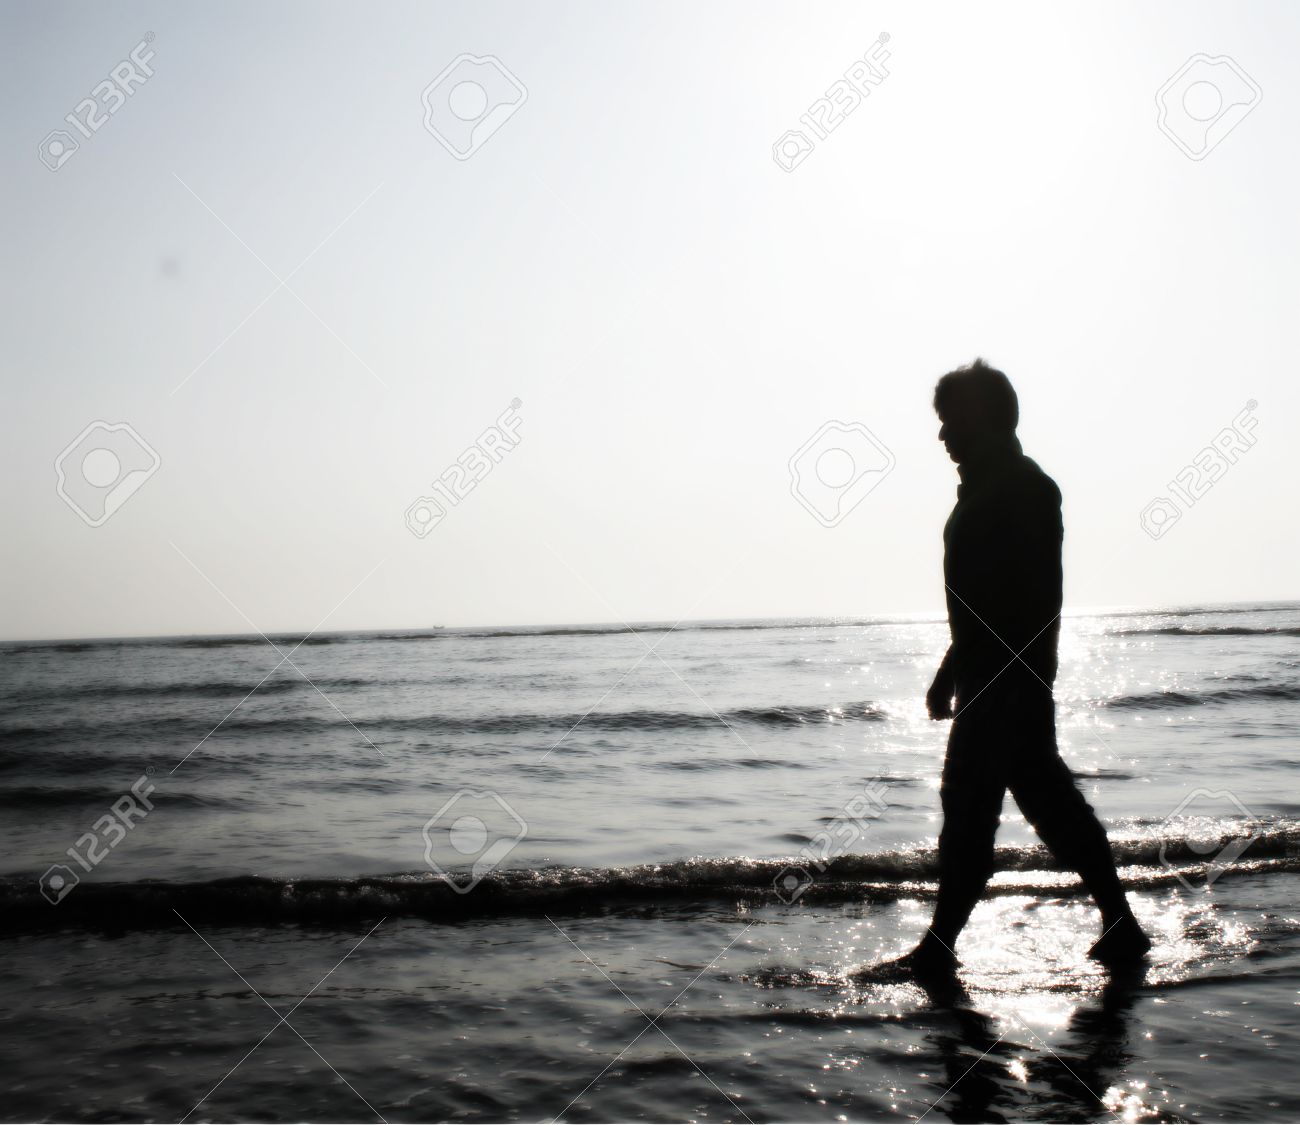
(1032, 485)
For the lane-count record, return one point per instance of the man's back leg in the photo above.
(1047, 794)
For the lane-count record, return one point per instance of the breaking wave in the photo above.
(1144, 863)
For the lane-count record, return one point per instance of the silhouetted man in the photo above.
(1002, 569)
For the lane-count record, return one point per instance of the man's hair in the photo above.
(982, 388)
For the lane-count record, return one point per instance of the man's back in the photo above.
(1002, 568)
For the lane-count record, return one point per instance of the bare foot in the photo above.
(929, 961)
(1122, 943)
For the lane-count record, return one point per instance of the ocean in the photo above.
(612, 873)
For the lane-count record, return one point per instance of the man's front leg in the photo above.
(971, 796)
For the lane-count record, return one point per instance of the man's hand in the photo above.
(938, 700)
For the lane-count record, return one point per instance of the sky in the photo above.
(299, 270)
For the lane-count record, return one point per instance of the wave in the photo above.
(226, 689)
(293, 640)
(66, 763)
(642, 720)
(235, 641)
(1209, 631)
(22, 798)
(708, 765)
(48, 646)
(30, 736)
(1191, 610)
(667, 627)
(207, 689)
(1161, 700)
(1146, 863)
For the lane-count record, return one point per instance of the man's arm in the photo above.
(938, 700)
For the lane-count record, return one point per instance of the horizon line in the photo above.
(918, 617)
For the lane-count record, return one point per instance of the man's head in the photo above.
(977, 408)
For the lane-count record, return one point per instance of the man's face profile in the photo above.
(958, 432)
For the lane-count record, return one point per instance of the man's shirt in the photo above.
(1002, 568)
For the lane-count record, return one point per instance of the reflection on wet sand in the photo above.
(997, 1070)
(1029, 1027)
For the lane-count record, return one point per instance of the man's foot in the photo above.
(1122, 943)
(928, 962)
